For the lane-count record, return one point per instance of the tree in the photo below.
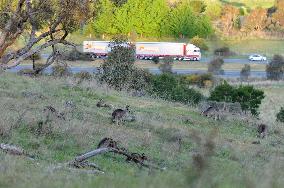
(249, 97)
(229, 18)
(213, 10)
(117, 69)
(46, 22)
(275, 69)
(215, 66)
(183, 22)
(166, 65)
(278, 16)
(143, 17)
(256, 20)
(280, 115)
(245, 72)
(199, 42)
(197, 6)
(104, 23)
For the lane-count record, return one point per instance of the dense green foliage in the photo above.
(152, 18)
(280, 115)
(169, 87)
(118, 70)
(200, 42)
(201, 80)
(249, 97)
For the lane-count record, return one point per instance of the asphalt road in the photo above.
(227, 74)
(234, 60)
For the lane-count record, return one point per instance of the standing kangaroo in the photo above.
(262, 130)
(119, 114)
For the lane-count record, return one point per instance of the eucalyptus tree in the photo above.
(46, 23)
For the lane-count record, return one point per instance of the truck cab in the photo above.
(192, 53)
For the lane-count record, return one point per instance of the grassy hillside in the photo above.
(235, 162)
(250, 3)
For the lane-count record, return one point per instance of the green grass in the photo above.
(235, 161)
(250, 3)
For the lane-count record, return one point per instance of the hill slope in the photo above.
(168, 133)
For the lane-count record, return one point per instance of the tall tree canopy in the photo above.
(184, 22)
(46, 22)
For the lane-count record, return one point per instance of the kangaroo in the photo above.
(262, 130)
(101, 104)
(211, 112)
(137, 158)
(107, 142)
(119, 114)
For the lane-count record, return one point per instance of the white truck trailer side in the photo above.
(149, 50)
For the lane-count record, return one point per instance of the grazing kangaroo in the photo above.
(119, 114)
(211, 112)
(137, 158)
(262, 130)
(107, 142)
(101, 104)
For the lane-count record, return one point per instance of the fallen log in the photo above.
(92, 154)
(12, 150)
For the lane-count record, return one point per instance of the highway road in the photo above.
(227, 73)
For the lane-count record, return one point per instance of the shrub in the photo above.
(118, 71)
(249, 97)
(84, 75)
(275, 69)
(156, 60)
(224, 51)
(280, 115)
(167, 86)
(201, 80)
(215, 66)
(140, 80)
(199, 42)
(166, 65)
(245, 72)
(75, 55)
(60, 70)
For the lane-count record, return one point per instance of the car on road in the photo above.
(257, 57)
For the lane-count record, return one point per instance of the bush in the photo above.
(75, 55)
(118, 71)
(84, 75)
(280, 115)
(201, 80)
(245, 72)
(215, 66)
(199, 42)
(140, 80)
(166, 65)
(224, 51)
(167, 86)
(275, 69)
(249, 97)
(156, 60)
(60, 70)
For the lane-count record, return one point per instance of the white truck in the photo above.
(149, 50)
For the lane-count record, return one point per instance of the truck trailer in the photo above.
(148, 50)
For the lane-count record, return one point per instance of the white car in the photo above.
(257, 57)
